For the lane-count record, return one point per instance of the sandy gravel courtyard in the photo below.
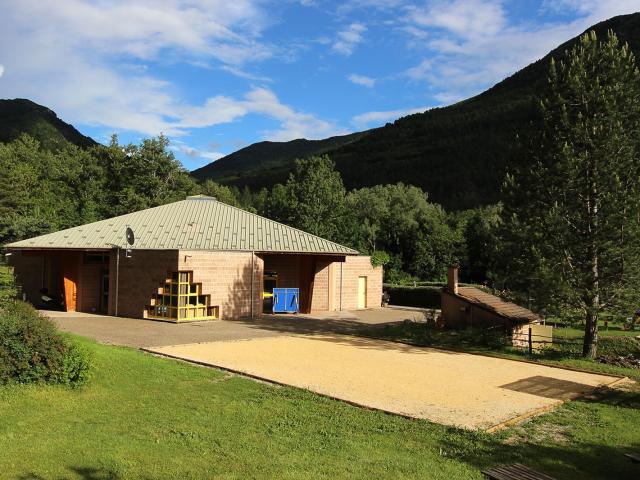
(445, 387)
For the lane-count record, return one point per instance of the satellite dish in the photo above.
(130, 236)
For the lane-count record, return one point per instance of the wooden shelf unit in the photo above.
(179, 299)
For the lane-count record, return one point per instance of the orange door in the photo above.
(70, 264)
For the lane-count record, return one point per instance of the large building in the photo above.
(195, 259)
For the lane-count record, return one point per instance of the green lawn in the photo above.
(147, 417)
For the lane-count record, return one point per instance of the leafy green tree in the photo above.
(572, 212)
(221, 193)
(314, 199)
(400, 220)
(142, 176)
(480, 243)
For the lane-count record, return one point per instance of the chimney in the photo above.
(452, 280)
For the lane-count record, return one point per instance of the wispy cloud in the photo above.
(348, 39)
(469, 45)
(377, 118)
(362, 80)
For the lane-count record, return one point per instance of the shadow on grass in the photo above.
(570, 460)
(84, 473)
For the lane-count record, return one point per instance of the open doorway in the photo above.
(269, 283)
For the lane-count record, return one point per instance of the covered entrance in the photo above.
(68, 280)
(311, 274)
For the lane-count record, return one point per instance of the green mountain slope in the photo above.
(24, 116)
(458, 153)
(265, 163)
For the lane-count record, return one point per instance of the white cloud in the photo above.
(376, 118)
(293, 124)
(86, 60)
(349, 38)
(194, 153)
(1, 70)
(362, 80)
(469, 45)
(466, 18)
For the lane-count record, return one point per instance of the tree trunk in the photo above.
(592, 300)
(590, 345)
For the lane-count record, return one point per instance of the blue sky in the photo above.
(216, 75)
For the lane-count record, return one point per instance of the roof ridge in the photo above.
(277, 223)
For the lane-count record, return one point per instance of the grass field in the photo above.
(147, 417)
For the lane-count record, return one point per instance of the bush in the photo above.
(33, 351)
(8, 290)
(621, 346)
(424, 297)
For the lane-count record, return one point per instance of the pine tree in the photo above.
(572, 212)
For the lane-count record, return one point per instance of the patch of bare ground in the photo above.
(541, 433)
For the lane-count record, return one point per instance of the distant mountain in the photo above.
(24, 116)
(266, 163)
(458, 153)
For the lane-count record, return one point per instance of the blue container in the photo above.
(286, 300)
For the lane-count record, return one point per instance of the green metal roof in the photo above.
(197, 223)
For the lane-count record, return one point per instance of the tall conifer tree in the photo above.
(573, 210)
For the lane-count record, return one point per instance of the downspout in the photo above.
(253, 269)
(117, 279)
(341, 263)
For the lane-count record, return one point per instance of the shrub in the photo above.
(8, 290)
(76, 366)
(621, 346)
(32, 350)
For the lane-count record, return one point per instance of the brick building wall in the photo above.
(459, 313)
(140, 276)
(320, 297)
(346, 283)
(226, 276)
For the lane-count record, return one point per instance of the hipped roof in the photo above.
(197, 223)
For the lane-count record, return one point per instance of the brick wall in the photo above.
(320, 298)
(226, 276)
(346, 277)
(287, 267)
(140, 277)
(458, 313)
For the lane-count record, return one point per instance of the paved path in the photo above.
(445, 387)
(149, 333)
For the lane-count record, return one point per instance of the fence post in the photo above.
(530, 342)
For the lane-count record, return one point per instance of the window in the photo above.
(180, 299)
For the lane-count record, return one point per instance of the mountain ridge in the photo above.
(458, 153)
(20, 115)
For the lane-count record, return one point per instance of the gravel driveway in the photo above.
(451, 388)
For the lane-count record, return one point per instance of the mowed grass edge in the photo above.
(147, 417)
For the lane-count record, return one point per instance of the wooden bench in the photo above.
(635, 456)
(516, 471)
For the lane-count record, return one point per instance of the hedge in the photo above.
(423, 296)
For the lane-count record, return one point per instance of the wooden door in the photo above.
(362, 292)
